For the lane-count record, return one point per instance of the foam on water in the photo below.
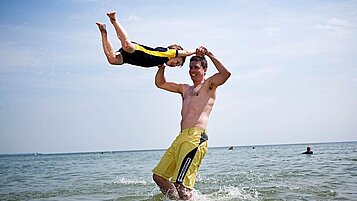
(226, 193)
(125, 181)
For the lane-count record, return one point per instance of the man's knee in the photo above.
(158, 179)
(155, 177)
(166, 187)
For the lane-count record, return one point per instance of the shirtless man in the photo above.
(176, 172)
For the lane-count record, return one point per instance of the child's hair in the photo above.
(177, 47)
(200, 59)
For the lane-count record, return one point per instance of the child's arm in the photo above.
(185, 53)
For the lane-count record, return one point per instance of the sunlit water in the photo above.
(278, 172)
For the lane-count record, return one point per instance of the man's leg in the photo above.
(166, 187)
(113, 58)
(127, 45)
(191, 157)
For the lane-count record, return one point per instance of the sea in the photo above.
(270, 172)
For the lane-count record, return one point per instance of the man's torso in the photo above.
(197, 104)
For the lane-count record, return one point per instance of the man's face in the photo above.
(197, 72)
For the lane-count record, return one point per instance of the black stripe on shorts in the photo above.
(188, 160)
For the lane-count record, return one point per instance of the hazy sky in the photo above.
(293, 64)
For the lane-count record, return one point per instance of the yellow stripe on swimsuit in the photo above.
(169, 53)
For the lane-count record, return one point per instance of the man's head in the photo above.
(177, 61)
(198, 68)
(201, 59)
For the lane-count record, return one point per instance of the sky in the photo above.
(293, 65)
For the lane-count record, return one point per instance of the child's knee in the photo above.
(115, 60)
(128, 46)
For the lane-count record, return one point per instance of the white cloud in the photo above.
(338, 22)
(336, 27)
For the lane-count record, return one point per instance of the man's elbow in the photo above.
(227, 75)
(159, 84)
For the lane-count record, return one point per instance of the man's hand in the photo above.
(201, 51)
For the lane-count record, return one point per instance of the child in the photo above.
(137, 54)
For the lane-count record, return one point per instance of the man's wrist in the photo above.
(209, 54)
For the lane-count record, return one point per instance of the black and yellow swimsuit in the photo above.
(148, 57)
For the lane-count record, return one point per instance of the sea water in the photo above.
(275, 172)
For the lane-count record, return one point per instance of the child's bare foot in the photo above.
(111, 15)
(101, 26)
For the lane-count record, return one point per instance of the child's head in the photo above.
(177, 61)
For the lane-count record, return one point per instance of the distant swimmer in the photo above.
(137, 54)
(231, 148)
(308, 151)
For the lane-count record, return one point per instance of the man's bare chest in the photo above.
(194, 91)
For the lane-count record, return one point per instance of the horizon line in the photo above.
(160, 149)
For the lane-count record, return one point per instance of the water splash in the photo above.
(126, 181)
(228, 193)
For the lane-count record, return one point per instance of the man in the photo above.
(176, 172)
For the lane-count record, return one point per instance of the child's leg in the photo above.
(113, 57)
(127, 45)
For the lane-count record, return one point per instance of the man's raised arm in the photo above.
(160, 81)
(223, 74)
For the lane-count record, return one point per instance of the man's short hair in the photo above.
(201, 59)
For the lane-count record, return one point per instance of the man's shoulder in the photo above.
(185, 85)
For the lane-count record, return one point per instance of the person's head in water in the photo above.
(308, 150)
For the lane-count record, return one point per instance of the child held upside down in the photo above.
(137, 54)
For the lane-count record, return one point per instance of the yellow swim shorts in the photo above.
(182, 159)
